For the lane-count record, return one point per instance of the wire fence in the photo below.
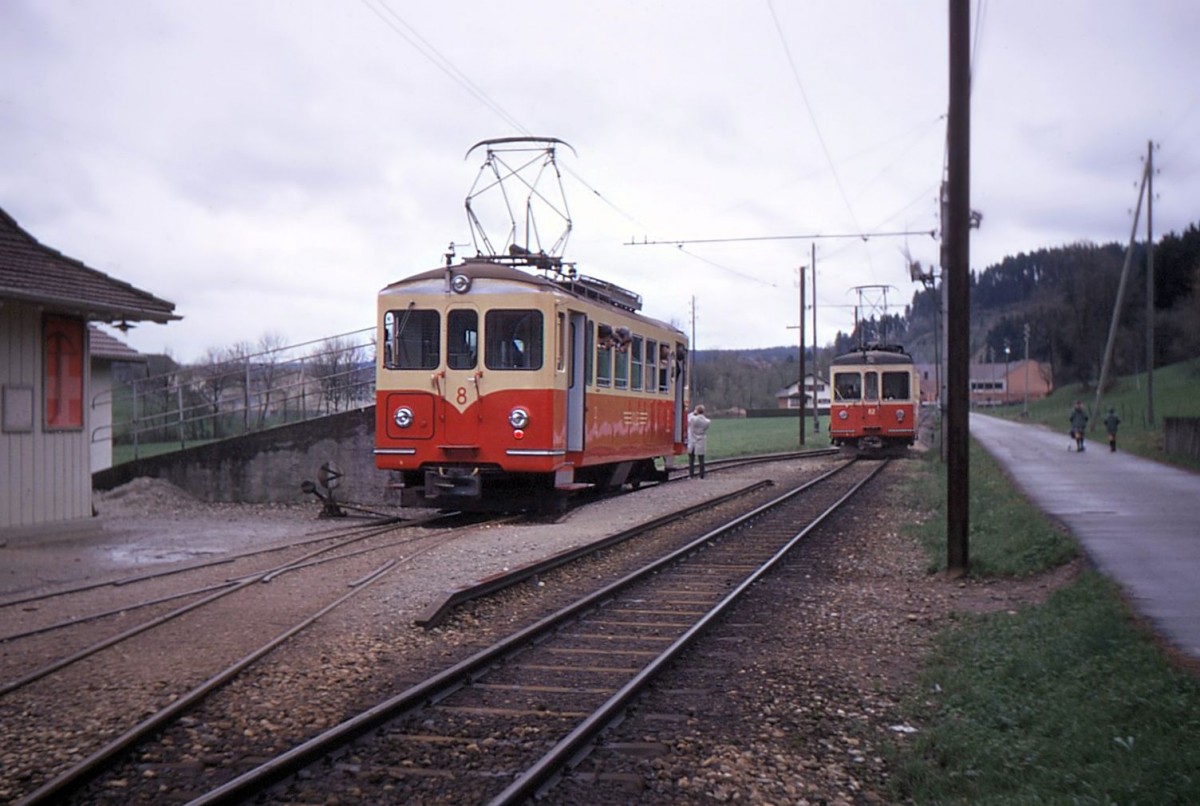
(236, 391)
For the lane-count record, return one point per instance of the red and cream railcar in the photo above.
(875, 399)
(498, 389)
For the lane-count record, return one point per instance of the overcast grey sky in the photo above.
(269, 165)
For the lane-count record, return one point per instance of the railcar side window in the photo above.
(588, 352)
(847, 385)
(664, 368)
(870, 386)
(560, 342)
(462, 339)
(622, 370)
(412, 339)
(895, 386)
(513, 339)
(651, 365)
(635, 358)
(604, 355)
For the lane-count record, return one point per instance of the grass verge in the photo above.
(1065, 702)
(1008, 536)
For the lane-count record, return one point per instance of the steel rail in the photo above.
(382, 529)
(437, 613)
(460, 674)
(55, 790)
(238, 584)
(225, 560)
(572, 747)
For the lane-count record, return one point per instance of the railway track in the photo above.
(501, 725)
(164, 708)
(255, 636)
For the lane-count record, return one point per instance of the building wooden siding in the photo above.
(40, 471)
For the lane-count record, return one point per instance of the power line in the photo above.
(864, 236)
(423, 46)
(812, 115)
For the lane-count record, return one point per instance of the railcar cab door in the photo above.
(461, 376)
(680, 371)
(578, 351)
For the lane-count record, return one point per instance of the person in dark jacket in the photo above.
(1110, 425)
(1079, 421)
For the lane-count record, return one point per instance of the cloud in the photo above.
(270, 166)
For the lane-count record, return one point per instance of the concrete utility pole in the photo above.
(1025, 403)
(1150, 284)
(1116, 314)
(800, 418)
(956, 273)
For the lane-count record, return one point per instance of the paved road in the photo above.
(1138, 520)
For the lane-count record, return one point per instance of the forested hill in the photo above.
(1065, 294)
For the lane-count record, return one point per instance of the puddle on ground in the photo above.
(132, 555)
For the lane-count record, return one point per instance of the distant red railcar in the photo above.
(876, 398)
(501, 389)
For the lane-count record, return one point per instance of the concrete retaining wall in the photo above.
(268, 466)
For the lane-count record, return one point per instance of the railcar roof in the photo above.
(893, 357)
(479, 269)
(482, 269)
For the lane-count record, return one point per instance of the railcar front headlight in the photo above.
(461, 283)
(403, 417)
(518, 418)
(899, 415)
(842, 415)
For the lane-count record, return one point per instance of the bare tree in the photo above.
(336, 366)
(266, 372)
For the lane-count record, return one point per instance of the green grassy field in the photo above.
(739, 437)
(1176, 394)
(1066, 702)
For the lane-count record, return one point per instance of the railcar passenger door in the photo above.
(462, 376)
(576, 382)
(680, 361)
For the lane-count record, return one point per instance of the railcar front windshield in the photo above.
(896, 386)
(513, 339)
(847, 385)
(412, 339)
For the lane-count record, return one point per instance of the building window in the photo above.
(63, 349)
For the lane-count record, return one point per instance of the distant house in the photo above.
(995, 384)
(814, 386)
(46, 374)
(106, 350)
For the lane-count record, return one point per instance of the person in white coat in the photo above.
(697, 440)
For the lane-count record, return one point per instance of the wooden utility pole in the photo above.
(815, 371)
(691, 362)
(956, 272)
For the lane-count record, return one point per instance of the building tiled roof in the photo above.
(36, 273)
(110, 348)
